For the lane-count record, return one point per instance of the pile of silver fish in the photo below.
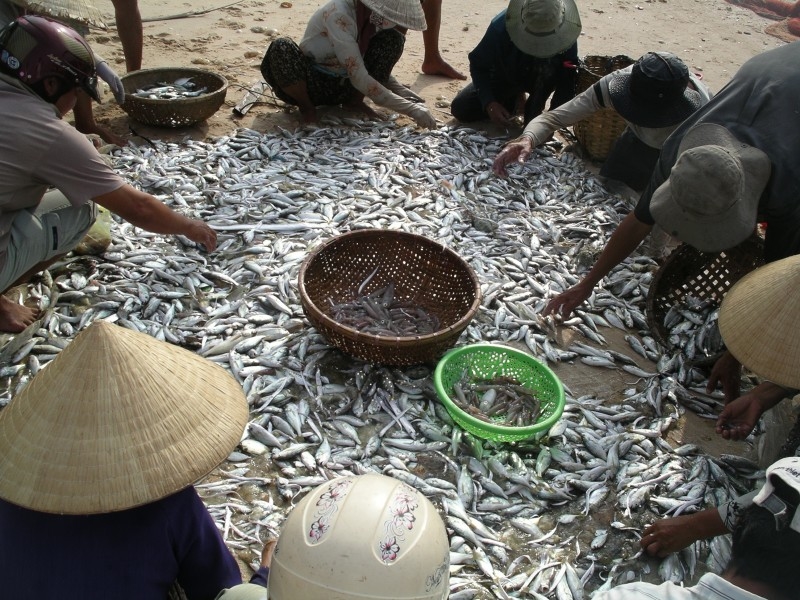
(558, 516)
(499, 400)
(181, 88)
(381, 313)
(692, 326)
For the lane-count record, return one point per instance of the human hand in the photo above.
(514, 151)
(108, 75)
(200, 233)
(727, 371)
(739, 417)
(669, 535)
(498, 113)
(423, 117)
(567, 301)
(267, 552)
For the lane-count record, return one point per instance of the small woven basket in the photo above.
(489, 361)
(706, 276)
(598, 133)
(179, 112)
(423, 272)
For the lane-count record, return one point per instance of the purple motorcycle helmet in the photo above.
(33, 48)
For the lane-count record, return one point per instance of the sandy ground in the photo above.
(712, 36)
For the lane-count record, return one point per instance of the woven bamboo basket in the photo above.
(706, 276)
(598, 133)
(424, 273)
(179, 112)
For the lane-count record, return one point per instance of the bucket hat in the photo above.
(406, 13)
(543, 28)
(118, 419)
(781, 492)
(654, 92)
(758, 321)
(711, 198)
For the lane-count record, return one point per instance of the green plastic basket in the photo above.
(491, 360)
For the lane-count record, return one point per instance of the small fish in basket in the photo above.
(182, 87)
(500, 400)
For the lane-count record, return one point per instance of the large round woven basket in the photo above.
(705, 276)
(424, 274)
(178, 112)
(598, 133)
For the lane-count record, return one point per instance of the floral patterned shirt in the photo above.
(331, 39)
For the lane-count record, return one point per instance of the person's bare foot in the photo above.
(438, 66)
(361, 107)
(15, 317)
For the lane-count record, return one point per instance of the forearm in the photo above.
(768, 394)
(145, 211)
(627, 237)
(542, 127)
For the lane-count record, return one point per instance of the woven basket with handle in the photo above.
(598, 133)
(423, 272)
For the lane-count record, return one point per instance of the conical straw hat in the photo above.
(82, 11)
(117, 420)
(759, 320)
(406, 13)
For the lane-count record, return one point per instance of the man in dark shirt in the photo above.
(755, 120)
(528, 48)
(97, 459)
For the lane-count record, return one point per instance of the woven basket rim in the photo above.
(685, 251)
(385, 340)
(188, 71)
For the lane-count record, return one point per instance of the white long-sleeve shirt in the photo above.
(586, 103)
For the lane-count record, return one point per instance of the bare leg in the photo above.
(129, 28)
(16, 317)
(299, 92)
(85, 123)
(433, 63)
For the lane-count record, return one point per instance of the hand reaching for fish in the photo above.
(514, 151)
(727, 372)
(567, 301)
(201, 233)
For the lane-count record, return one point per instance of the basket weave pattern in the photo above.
(424, 274)
(702, 275)
(179, 112)
(598, 133)
(492, 361)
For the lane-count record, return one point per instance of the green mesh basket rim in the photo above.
(488, 430)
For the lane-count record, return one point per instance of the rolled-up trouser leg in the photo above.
(55, 227)
(284, 64)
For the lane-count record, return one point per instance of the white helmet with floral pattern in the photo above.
(361, 537)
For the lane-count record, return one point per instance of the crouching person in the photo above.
(43, 64)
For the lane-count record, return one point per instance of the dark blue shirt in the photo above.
(496, 60)
(760, 106)
(135, 554)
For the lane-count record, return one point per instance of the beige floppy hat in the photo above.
(406, 13)
(117, 420)
(710, 200)
(543, 28)
(758, 321)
